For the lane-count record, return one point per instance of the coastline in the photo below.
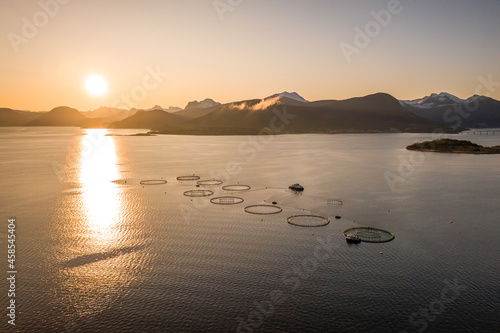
(452, 146)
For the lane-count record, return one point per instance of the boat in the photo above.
(296, 187)
(353, 239)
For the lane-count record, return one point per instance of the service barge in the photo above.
(296, 187)
(354, 239)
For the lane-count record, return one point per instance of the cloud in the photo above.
(262, 105)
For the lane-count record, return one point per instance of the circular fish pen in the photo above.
(335, 202)
(226, 200)
(187, 178)
(153, 182)
(211, 182)
(236, 188)
(198, 193)
(370, 235)
(263, 209)
(308, 220)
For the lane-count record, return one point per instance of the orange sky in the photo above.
(172, 52)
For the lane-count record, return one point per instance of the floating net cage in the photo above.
(370, 235)
(210, 182)
(263, 209)
(335, 202)
(308, 220)
(236, 188)
(153, 182)
(187, 178)
(226, 200)
(198, 193)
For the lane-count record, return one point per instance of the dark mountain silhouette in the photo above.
(197, 109)
(435, 100)
(171, 109)
(109, 114)
(60, 116)
(373, 113)
(155, 119)
(197, 112)
(474, 112)
(9, 117)
(206, 103)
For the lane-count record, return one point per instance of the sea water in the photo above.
(96, 251)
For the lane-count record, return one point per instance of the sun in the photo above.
(96, 85)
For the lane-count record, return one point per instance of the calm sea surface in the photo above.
(99, 252)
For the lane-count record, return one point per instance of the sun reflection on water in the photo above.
(98, 168)
(100, 267)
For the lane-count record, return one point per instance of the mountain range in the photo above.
(282, 113)
(474, 112)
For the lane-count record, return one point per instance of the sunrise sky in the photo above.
(234, 50)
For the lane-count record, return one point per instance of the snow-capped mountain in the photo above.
(434, 100)
(474, 112)
(284, 98)
(286, 94)
(206, 103)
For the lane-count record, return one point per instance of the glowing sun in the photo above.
(96, 85)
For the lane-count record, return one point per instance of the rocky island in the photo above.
(453, 146)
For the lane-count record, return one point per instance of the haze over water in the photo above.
(99, 252)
